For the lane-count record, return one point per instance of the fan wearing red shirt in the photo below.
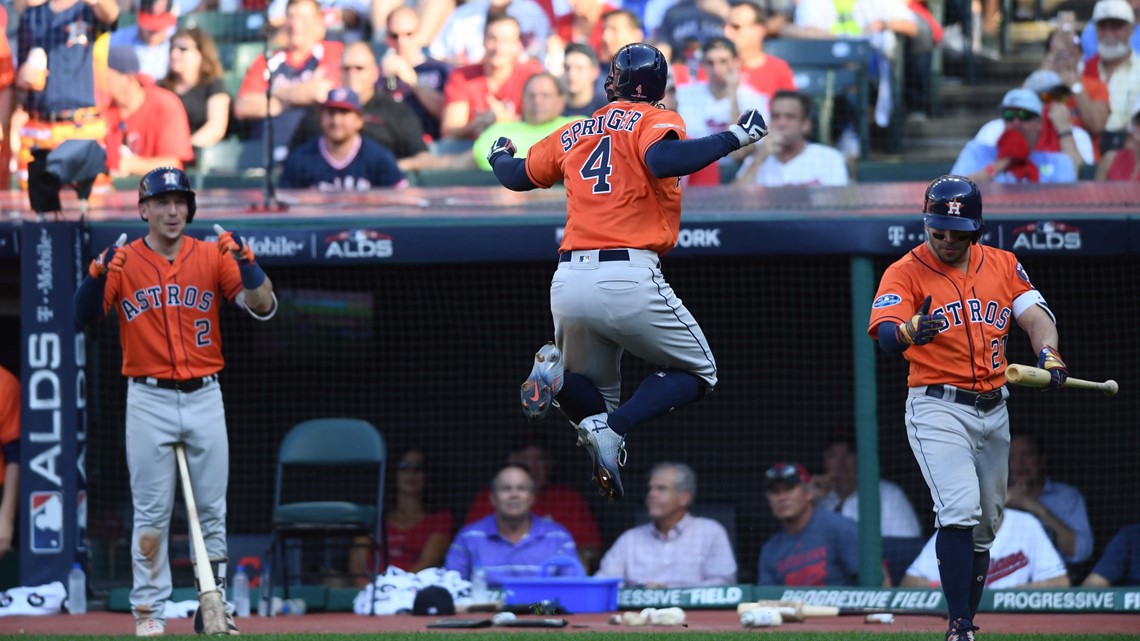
(476, 96)
(584, 23)
(146, 124)
(746, 29)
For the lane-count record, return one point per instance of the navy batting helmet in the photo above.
(638, 72)
(954, 203)
(168, 179)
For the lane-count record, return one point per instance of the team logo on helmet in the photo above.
(170, 178)
(954, 208)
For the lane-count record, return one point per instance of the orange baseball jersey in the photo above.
(168, 310)
(970, 352)
(612, 200)
(9, 413)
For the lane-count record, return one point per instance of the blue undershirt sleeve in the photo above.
(511, 173)
(888, 338)
(670, 157)
(88, 301)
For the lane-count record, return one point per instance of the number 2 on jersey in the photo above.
(598, 168)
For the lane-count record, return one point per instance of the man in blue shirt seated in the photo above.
(511, 542)
(1120, 564)
(1015, 158)
(1059, 506)
(815, 547)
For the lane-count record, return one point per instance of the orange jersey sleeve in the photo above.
(612, 199)
(168, 310)
(970, 352)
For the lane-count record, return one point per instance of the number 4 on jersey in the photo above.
(598, 168)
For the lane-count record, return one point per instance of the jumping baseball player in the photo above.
(167, 288)
(967, 297)
(622, 170)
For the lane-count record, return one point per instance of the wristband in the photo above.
(252, 276)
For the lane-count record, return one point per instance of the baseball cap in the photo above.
(156, 15)
(1042, 80)
(433, 601)
(1022, 99)
(343, 98)
(1113, 10)
(787, 474)
(123, 59)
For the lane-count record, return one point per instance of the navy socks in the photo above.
(978, 580)
(579, 398)
(955, 550)
(658, 394)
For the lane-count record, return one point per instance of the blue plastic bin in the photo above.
(576, 593)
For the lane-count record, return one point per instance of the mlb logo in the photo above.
(47, 522)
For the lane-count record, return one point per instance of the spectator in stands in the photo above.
(151, 36)
(746, 29)
(409, 74)
(1088, 99)
(302, 73)
(462, 41)
(711, 106)
(814, 547)
(1117, 65)
(61, 104)
(1125, 163)
(390, 123)
(346, 18)
(619, 28)
(583, 25)
(1088, 40)
(837, 489)
(341, 159)
(7, 80)
(1021, 557)
(698, 19)
(544, 99)
(418, 531)
(1120, 563)
(675, 549)
(434, 12)
(1014, 159)
(552, 501)
(1060, 507)
(195, 76)
(9, 458)
(581, 72)
(512, 542)
(147, 126)
(476, 96)
(785, 157)
(1059, 118)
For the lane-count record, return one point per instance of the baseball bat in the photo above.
(1030, 376)
(122, 240)
(210, 600)
(799, 611)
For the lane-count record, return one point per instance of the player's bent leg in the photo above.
(607, 448)
(660, 393)
(579, 398)
(544, 382)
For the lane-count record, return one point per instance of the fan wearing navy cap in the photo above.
(814, 547)
(341, 159)
(147, 126)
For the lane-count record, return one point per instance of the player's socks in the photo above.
(978, 580)
(579, 398)
(955, 550)
(658, 394)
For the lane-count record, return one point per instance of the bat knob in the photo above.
(1111, 388)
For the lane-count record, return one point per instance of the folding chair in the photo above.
(316, 463)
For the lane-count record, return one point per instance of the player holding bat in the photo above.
(167, 289)
(967, 297)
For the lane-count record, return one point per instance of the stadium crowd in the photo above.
(430, 83)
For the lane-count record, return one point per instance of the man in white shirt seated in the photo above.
(675, 549)
(785, 157)
(1022, 556)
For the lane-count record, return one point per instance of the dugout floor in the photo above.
(111, 623)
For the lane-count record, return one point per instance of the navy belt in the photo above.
(192, 385)
(985, 401)
(604, 255)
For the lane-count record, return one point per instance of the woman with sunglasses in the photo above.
(195, 75)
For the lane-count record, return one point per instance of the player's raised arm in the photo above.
(258, 290)
(510, 171)
(88, 300)
(672, 157)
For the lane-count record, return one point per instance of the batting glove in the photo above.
(1049, 360)
(922, 327)
(501, 146)
(111, 260)
(232, 243)
(750, 129)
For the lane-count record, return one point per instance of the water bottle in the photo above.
(479, 585)
(263, 588)
(293, 606)
(76, 590)
(241, 592)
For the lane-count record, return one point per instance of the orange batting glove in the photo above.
(228, 242)
(111, 259)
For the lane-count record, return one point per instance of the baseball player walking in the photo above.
(966, 295)
(166, 288)
(622, 170)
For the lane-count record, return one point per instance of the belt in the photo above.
(66, 115)
(192, 385)
(985, 401)
(604, 255)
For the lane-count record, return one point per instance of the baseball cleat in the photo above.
(961, 630)
(607, 454)
(149, 628)
(544, 382)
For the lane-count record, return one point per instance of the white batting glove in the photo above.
(750, 128)
(501, 146)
